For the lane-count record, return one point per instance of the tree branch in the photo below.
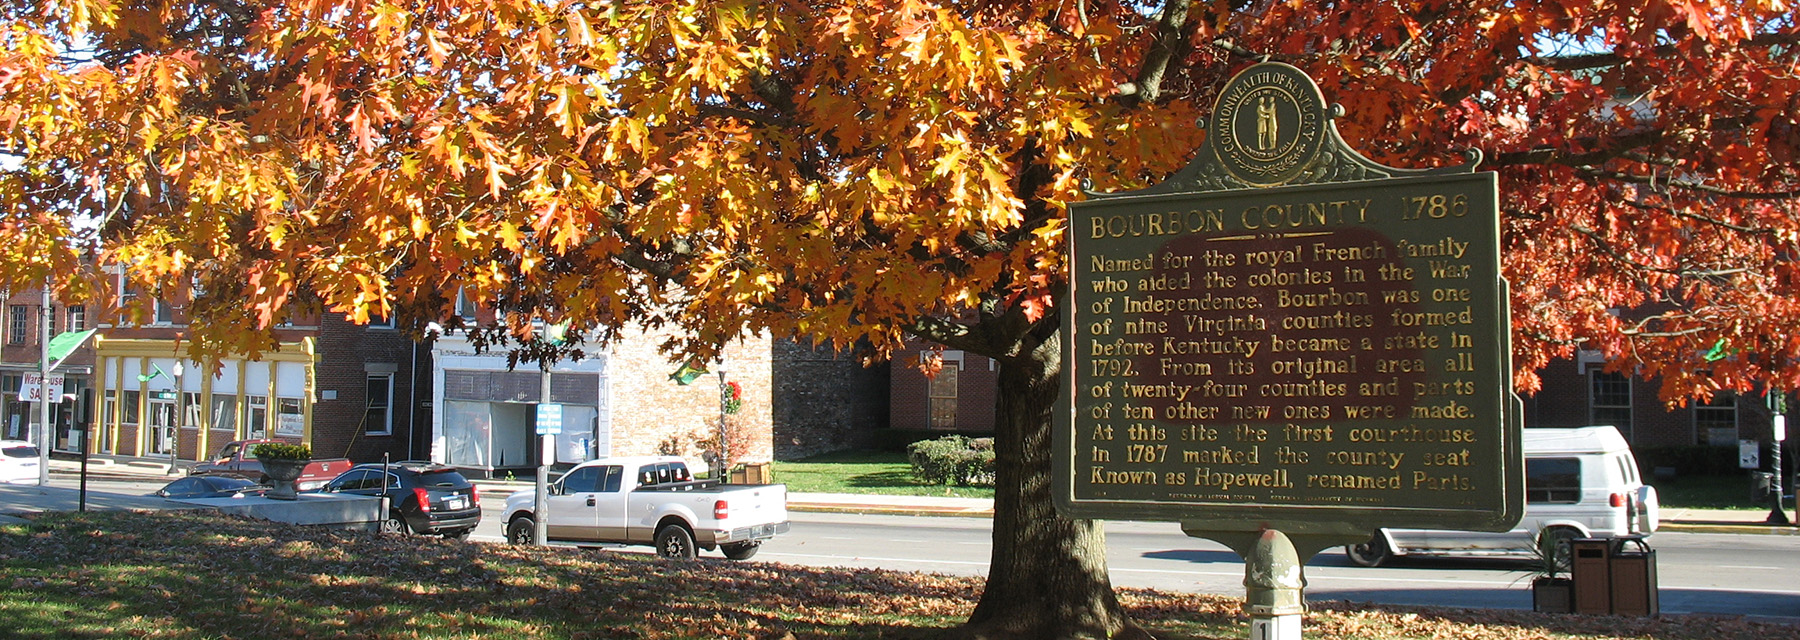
(1167, 46)
(1599, 60)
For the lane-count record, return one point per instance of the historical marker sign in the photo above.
(1333, 350)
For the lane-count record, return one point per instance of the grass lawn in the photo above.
(191, 575)
(864, 472)
(1707, 492)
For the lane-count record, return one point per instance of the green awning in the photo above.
(65, 343)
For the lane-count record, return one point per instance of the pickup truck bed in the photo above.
(649, 501)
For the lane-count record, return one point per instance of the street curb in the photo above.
(882, 510)
(1729, 527)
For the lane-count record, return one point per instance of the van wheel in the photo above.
(675, 543)
(1555, 545)
(521, 530)
(1370, 553)
(741, 550)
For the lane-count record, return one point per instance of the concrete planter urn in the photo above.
(1553, 595)
(283, 464)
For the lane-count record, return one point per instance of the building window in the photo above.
(77, 317)
(20, 324)
(1610, 401)
(191, 410)
(131, 406)
(1715, 421)
(381, 322)
(127, 291)
(256, 417)
(224, 413)
(165, 312)
(942, 392)
(290, 419)
(379, 417)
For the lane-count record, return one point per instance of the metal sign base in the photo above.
(1274, 573)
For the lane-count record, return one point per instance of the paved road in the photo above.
(1698, 572)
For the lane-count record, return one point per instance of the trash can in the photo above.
(1588, 569)
(1633, 577)
(1762, 487)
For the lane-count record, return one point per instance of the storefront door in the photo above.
(162, 427)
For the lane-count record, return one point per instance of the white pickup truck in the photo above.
(652, 500)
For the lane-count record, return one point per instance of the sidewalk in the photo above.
(1687, 520)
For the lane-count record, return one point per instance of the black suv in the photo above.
(427, 498)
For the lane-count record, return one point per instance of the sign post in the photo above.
(549, 424)
(1287, 346)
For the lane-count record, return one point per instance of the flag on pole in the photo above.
(687, 374)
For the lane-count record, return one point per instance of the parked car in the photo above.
(652, 500)
(210, 487)
(18, 462)
(1579, 483)
(238, 459)
(427, 498)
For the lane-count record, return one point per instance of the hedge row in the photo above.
(957, 460)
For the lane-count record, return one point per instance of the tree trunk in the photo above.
(1047, 579)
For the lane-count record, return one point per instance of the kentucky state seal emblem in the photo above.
(1268, 124)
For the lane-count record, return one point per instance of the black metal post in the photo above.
(1778, 432)
(85, 436)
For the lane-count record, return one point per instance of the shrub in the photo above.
(281, 451)
(954, 460)
(1690, 460)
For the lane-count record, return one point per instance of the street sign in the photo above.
(1749, 454)
(33, 383)
(1286, 332)
(549, 419)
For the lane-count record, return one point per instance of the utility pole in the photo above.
(44, 394)
(540, 532)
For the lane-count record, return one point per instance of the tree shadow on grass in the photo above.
(883, 479)
(196, 575)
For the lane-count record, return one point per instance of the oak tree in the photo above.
(857, 172)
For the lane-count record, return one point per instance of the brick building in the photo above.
(365, 391)
(960, 398)
(617, 402)
(346, 390)
(825, 401)
(21, 347)
(1576, 392)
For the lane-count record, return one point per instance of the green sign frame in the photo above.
(1288, 335)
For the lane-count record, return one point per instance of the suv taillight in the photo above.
(721, 509)
(1618, 499)
(424, 500)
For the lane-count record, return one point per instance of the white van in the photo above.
(1579, 483)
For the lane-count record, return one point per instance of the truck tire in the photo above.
(740, 550)
(1370, 553)
(521, 530)
(674, 542)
